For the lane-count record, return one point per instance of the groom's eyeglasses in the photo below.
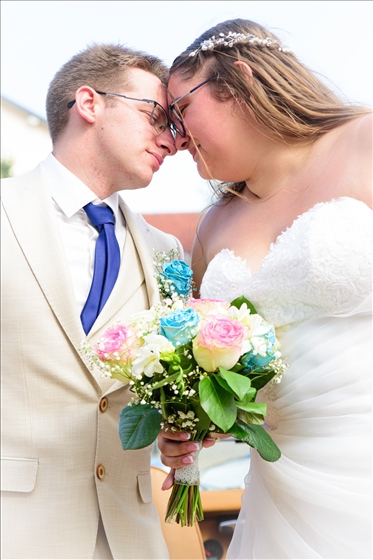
(158, 115)
(175, 116)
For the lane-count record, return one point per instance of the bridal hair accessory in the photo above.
(233, 38)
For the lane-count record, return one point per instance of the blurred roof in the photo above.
(20, 108)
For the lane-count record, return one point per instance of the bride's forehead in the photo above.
(178, 86)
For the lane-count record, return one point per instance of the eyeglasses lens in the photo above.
(177, 120)
(158, 118)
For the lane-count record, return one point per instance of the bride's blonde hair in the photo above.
(286, 98)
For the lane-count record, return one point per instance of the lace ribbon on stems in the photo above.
(190, 473)
(184, 505)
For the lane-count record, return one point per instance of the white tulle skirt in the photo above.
(315, 502)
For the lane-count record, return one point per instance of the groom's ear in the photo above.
(87, 104)
(244, 67)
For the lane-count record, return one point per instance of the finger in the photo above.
(209, 442)
(169, 480)
(178, 455)
(177, 448)
(172, 436)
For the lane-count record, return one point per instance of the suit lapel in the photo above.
(37, 232)
(145, 244)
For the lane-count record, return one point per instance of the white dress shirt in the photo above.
(78, 236)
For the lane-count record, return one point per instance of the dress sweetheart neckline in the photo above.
(286, 231)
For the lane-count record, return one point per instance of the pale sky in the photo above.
(333, 38)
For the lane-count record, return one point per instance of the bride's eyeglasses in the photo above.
(175, 116)
(158, 116)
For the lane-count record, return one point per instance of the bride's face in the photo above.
(219, 134)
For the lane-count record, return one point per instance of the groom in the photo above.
(68, 489)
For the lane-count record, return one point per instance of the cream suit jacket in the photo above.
(62, 460)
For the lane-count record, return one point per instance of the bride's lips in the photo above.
(193, 152)
(158, 159)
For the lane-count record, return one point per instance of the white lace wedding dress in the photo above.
(315, 286)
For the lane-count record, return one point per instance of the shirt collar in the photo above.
(70, 193)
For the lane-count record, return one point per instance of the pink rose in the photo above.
(117, 343)
(218, 343)
(207, 306)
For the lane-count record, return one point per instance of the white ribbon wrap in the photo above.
(189, 474)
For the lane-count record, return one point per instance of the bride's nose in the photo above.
(181, 142)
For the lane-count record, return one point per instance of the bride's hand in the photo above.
(176, 451)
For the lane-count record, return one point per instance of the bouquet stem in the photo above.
(184, 505)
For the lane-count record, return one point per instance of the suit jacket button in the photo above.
(103, 404)
(100, 471)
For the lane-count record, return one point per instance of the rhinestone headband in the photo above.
(233, 37)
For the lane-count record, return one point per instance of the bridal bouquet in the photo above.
(194, 365)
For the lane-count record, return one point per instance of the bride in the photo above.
(292, 231)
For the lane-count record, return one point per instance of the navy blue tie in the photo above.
(107, 262)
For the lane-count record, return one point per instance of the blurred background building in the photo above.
(24, 138)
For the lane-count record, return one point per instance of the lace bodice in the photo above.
(320, 266)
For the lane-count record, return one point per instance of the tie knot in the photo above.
(99, 215)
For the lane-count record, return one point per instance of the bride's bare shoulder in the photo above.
(216, 212)
(360, 129)
(357, 137)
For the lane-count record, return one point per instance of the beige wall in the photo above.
(24, 137)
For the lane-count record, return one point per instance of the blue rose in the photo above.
(253, 361)
(177, 277)
(180, 326)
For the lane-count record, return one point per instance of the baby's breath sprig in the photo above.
(279, 367)
(174, 277)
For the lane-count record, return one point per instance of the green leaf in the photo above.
(257, 408)
(250, 417)
(222, 382)
(139, 426)
(240, 300)
(239, 367)
(217, 402)
(260, 381)
(249, 396)
(204, 421)
(256, 437)
(238, 383)
(251, 412)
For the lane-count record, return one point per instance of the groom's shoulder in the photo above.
(21, 180)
